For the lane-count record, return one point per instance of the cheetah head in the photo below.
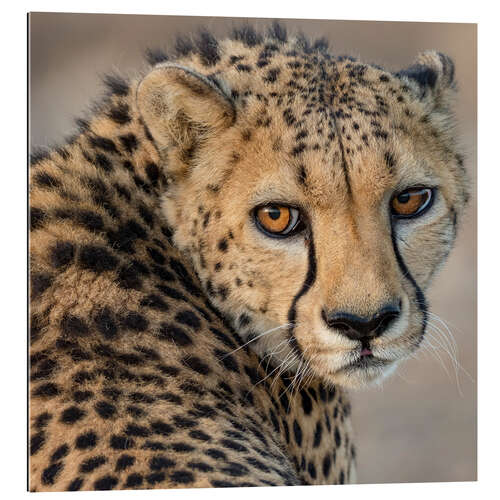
(316, 197)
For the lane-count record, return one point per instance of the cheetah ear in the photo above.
(180, 106)
(433, 76)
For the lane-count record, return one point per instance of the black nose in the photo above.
(358, 327)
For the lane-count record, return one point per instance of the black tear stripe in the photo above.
(421, 301)
(308, 283)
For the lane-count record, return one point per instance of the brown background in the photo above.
(420, 425)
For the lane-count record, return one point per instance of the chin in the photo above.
(364, 373)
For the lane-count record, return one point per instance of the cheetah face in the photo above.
(314, 219)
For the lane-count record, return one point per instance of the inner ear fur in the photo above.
(180, 107)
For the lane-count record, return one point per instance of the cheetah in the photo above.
(226, 246)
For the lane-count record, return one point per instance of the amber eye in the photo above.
(411, 203)
(277, 220)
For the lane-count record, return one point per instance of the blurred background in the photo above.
(420, 425)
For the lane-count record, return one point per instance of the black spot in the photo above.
(341, 477)
(244, 67)
(103, 143)
(120, 114)
(171, 398)
(247, 35)
(202, 411)
(97, 259)
(227, 360)
(156, 255)
(338, 439)
(137, 430)
(44, 179)
(37, 218)
(130, 277)
(184, 277)
(196, 364)
(235, 469)
(188, 318)
(140, 397)
(39, 283)
(244, 320)
(208, 48)
(327, 464)
(116, 84)
(124, 462)
(285, 403)
(37, 156)
(135, 321)
(105, 483)
(182, 447)
(123, 191)
(105, 410)
(112, 393)
(257, 464)
(61, 452)
(50, 473)
(272, 75)
(297, 150)
(91, 464)
(201, 466)
(162, 273)
(183, 422)
(75, 485)
(317, 435)
(223, 338)
(42, 420)
(233, 445)
(86, 441)
(36, 442)
(124, 236)
(306, 402)
(134, 480)
(105, 323)
(389, 160)
(311, 469)
(199, 435)
(381, 134)
(175, 334)
(182, 476)
(46, 390)
(162, 428)
(152, 172)
(274, 420)
(45, 369)
(278, 32)
(297, 432)
(71, 415)
(215, 453)
(73, 326)
(118, 442)
(155, 477)
(160, 463)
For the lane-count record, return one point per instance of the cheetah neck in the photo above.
(107, 283)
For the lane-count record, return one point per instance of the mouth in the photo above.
(364, 362)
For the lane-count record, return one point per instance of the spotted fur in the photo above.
(148, 284)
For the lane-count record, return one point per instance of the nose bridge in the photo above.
(356, 267)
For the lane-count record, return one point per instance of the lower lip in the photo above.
(366, 352)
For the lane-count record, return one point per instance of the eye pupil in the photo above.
(404, 198)
(274, 213)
